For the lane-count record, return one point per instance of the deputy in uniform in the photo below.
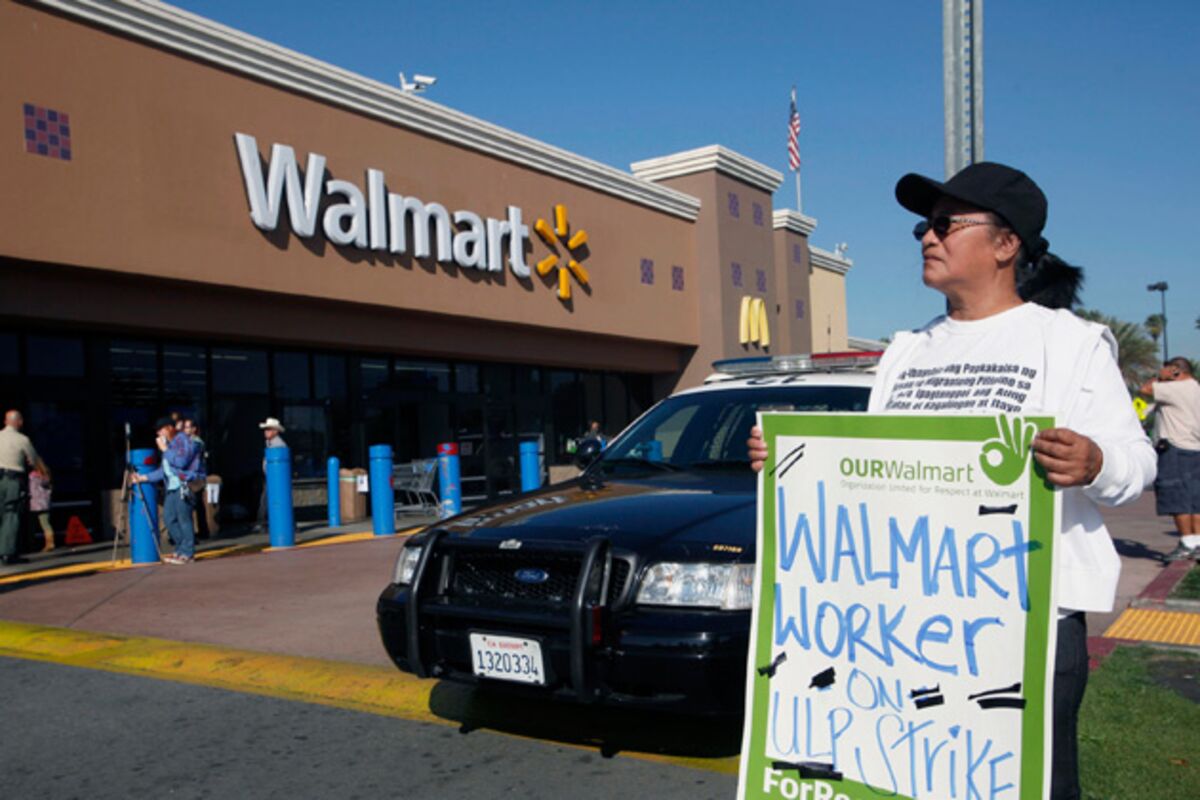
(17, 457)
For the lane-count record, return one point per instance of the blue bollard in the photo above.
(531, 477)
(280, 517)
(332, 491)
(449, 483)
(143, 510)
(383, 496)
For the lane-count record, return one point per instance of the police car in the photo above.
(630, 585)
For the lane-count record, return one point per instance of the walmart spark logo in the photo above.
(556, 238)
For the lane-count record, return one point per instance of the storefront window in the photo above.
(291, 376)
(593, 401)
(185, 381)
(307, 437)
(329, 377)
(528, 380)
(373, 373)
(616, 393)
(54, 356)
(133, 370)
(422, 375)
(9, 361)
(239, 371)
(566, 398)
(466, 378)
(497, 380)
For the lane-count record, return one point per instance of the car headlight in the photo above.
(725, 586)
(406, 564)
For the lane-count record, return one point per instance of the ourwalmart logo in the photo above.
(1004, 458)
(556, 238)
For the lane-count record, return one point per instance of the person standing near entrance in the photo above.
(17, 458)
(1008, 302)
(271, 428)
(1176, 396)
(39, 503)
(178, 455)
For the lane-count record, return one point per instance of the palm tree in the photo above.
(1137, 353)
(1154, 325)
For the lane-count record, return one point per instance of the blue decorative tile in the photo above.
(736, 271)
(761, 280)
(677, 278)
(735, 208)
(647, 272)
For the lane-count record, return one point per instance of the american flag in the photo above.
(794, 135)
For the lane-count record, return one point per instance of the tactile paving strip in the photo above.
(1152, 625)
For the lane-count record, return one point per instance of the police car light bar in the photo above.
(763, 365)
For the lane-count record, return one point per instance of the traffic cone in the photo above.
(77, 532)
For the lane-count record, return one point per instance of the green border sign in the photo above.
(931, 499)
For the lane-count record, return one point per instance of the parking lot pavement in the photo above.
(316, 602)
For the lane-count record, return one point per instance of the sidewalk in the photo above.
(318, 602)
(87, 559)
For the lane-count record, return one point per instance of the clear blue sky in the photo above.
(1098, 101)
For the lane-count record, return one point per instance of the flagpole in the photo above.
(799, 208)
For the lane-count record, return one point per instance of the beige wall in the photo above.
(154, 189)
(722, 240)
(792, 279)
(828, 293)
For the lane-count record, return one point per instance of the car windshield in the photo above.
(708, 430)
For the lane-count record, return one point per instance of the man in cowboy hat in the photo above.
(271, 428)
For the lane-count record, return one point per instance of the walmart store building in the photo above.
(198, 220)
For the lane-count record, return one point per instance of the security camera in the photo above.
(418, 84)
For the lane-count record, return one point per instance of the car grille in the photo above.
(493, 574)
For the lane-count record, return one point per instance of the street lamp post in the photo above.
(1161, 288)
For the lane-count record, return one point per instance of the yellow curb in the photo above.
(375, 690)
(361, 536)
(91, 567)
(1152, 625)
(72, 569)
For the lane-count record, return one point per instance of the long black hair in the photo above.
(1046, 279)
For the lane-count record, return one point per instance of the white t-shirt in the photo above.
(1031, 360)
(987, 366)
(1177, 416)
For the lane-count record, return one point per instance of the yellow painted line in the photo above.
(375, 690)
(1153, 625)
(345, 538)
(91, 567)
(70, 569)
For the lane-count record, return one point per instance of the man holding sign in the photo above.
(1003, 355)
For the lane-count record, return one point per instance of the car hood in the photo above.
(683, 515)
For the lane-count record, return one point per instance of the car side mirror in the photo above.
(587, 452)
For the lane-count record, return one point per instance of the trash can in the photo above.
(352, 503)
(211, 497)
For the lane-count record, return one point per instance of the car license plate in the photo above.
(507, 658)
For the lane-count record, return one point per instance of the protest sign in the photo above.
(904, 617)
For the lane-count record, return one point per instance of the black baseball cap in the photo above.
(993, 187)
(164, 422)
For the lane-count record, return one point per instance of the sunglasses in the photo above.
(943, 225)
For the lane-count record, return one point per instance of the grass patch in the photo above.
(1189, 587)
(1137, 737)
